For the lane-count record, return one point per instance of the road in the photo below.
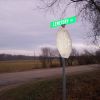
(10, 79)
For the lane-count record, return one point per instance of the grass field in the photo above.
(21, 65)
(79, 87)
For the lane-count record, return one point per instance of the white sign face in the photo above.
(64, 43)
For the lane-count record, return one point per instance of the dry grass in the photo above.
(19, 65)
(23, 65)
(79, 87)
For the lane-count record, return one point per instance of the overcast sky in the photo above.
(24, 29)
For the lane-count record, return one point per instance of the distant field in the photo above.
(79, 87)
(20, 65)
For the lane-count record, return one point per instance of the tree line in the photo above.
(51, 58)
(52, 55)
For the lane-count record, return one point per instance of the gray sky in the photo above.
(24, 30)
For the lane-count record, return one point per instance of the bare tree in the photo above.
(97, 54)
(86, 58)
(45, 55)
(73, 57)
(48, 55)
(87, 9)
(74, 52)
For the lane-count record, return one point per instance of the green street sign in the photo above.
(69, 20)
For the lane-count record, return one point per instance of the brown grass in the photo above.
(23, 65)
(79, 87)
(19, 65)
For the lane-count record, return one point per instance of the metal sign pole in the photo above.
(64, 45)
(64, 78)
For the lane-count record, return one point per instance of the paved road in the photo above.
(8, 79)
